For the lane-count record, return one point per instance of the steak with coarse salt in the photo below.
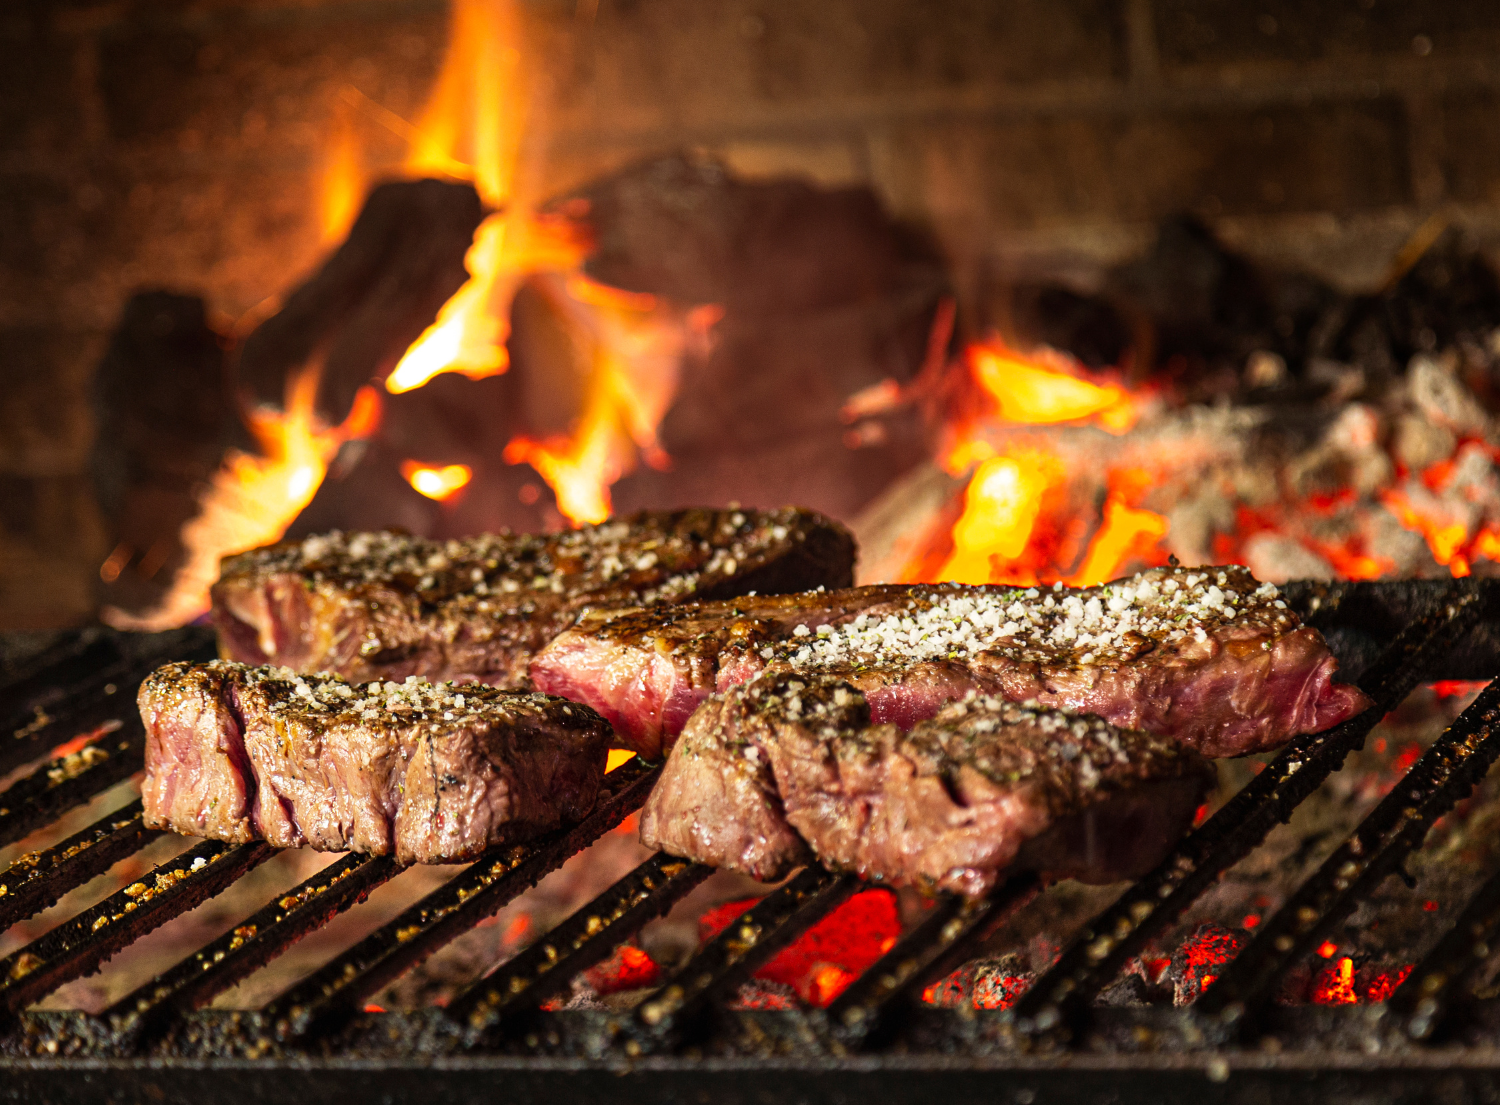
(379, 606)
(788, 767)
(431, 773)
(1207, 656)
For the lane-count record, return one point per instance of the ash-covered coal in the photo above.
(1201, 313)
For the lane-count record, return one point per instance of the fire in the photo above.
(472, 128)
(436, 483)
(1124, 533)
(1020, 522)
(1035, 392)
(343, 178)
(636, 347)
(252, 499)
(1001, 508)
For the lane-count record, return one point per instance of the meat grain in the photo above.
(1207, 656)
(768, 775)
(431, 773)
(378, 606)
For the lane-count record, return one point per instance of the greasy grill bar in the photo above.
(1430, 1041)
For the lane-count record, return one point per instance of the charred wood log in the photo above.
(402, 260)
(824, 296)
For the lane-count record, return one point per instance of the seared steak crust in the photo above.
(432, 773)
(376, 606)
(985, 786)
(1207, 656)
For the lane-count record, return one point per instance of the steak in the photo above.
(1207, 656)
(380, 606)
(432, 773)
(788, 767)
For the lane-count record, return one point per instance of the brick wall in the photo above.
(179, 143)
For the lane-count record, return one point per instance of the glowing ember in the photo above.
(1335, 985)
(253, 498)
(831, 954)
(629, 968)
(436, 483)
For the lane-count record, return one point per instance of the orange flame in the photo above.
(1001, 507)
(252, 499)
(1125, 532)
(1011, 530)
(637, 346)
(343, 177)
(436, 483)
(1444, 539)
(1034, 392)
(474, 119)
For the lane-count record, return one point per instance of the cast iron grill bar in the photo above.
(1444, 978)
(683, 1007)
(46, 677)
(80, 945)
(38, 879)
(1055, 1003)
(99, 697)
(589, 936)
(58, 785)
(337, 990)
(940, 943)
(250, 945)
(1445, 774)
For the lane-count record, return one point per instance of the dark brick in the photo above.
(1470, 154)
(1335, 158)
(1218, 32)
(672, 61)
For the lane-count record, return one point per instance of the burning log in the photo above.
(372, 298)
(823, 296)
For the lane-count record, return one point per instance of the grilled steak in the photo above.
(434, 773)
(378, 606)
(1206, 656)
(788, 763)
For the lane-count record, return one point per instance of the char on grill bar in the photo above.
(430, 772)
(1207, 656)
(378, 606)
(768, 775)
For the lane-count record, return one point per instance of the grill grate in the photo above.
(876, 1034)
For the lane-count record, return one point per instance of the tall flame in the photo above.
(343, 177)
(472, 129)
(252, 499)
